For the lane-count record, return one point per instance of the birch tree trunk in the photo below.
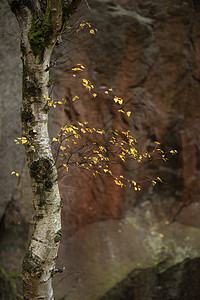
(39, 262)
(40, 22)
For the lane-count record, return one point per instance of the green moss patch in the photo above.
(40, 33)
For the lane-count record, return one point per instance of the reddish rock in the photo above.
(147, 52)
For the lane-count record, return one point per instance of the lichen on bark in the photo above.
(41, 171)
(27, 114)
(32, 265)
(58, 236)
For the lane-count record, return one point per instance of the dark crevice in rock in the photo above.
(196, 4)
(150, 284)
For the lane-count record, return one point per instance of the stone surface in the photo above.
(11, 155)
(147, 51)
(136, 253)
(166, 285)
(15, 193)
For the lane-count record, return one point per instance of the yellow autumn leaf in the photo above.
(85, 81)
(50, 103)
(66, 166)
(159, 179)
(102, 148)
(122, 157)
(15, 173)
(75, 97)
(173, 151)
(62, 148)
(92, 31)
(87, 84)
(118, 182)
(24, 140)
(77, 69)
(94, 95)
(159, 150)
(118, 100)
(33, 148)
(81, 66)
(82, 25)
(128, 113)
(54, 140)
(95, 160)
(115, 99)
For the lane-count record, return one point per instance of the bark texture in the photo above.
(40, 25)
(39, 261)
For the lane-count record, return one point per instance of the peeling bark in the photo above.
(40, 27)
(39, 262)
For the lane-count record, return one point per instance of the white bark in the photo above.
(40, 28)
(39, 262)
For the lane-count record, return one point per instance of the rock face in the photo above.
(134, 258)
(166, 285)
(15, 193)
(116, 241)
(11, 157)
(147, 51)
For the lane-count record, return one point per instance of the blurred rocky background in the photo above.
(116, 243)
